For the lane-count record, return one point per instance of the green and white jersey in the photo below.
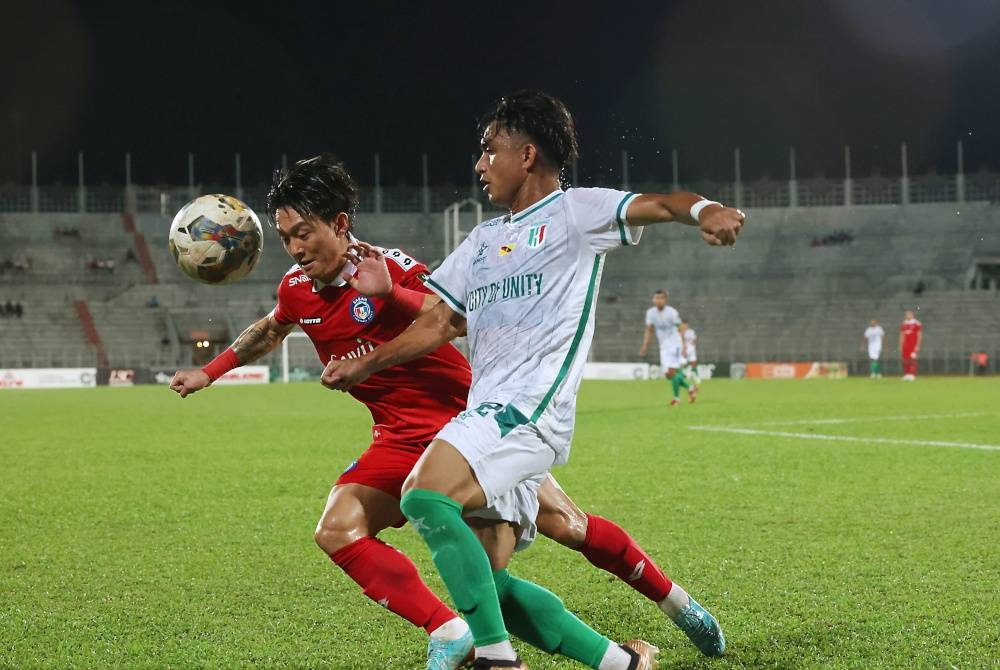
(527, 286)
(665, 323)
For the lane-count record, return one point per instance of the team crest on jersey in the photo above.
(536, 236)
(362, 309)
(507, 249)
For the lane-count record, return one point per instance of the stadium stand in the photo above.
(775, 296)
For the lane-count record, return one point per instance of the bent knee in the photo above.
(333, 534)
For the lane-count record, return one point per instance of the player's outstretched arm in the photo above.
(258, 339)
(719, 225)
(432, 329)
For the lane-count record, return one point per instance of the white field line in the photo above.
(848, 438)
(871, 419)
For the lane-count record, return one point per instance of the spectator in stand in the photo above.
(152, 302)
(8, 308)
(18, 310)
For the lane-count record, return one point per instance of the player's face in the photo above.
(909, 315)
(318, 247)
(659, 300)
(501, 166)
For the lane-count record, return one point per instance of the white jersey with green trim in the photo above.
(527, 285)
(665, 323)
(690, 344)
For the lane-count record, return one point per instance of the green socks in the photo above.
(677, 381)
(538, 617)
(460, 559)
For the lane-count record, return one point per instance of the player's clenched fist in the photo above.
(342, 374)
(186, 382)
(720, 225)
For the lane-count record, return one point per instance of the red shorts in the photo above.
(382, 467)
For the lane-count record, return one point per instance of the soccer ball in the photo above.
(216, 239)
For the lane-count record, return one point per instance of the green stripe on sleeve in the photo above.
(447, 297)
(620, 218)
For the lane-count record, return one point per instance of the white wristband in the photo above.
(700, 205)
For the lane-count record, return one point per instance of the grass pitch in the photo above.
(832, 531)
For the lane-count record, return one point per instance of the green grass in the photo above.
(140, 530)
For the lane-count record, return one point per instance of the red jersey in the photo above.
(910, 330)
(409, 403)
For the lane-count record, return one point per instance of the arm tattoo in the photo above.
(257, 340)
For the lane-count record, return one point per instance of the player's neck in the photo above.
(533, 190)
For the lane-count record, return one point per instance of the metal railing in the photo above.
(815, 192)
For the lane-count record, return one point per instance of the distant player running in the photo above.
(911, 335)
(689, 355)
(664, 321)
(313, 205)
(524, 286)
(874, 337)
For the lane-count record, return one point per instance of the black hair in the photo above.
(659, 291)
(540, 116)
(319, 187)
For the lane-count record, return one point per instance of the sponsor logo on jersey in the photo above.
(516, 286)
(362, 309)
(507, 249)
(480, 254)
(311, 320)
(298, 279)
(536, 236)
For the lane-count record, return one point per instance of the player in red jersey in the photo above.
(313, 206)
(910, 336)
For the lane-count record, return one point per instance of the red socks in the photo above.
(610, 548)
(389, 578)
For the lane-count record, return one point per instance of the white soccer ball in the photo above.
(216, 239)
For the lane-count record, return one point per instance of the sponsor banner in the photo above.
(248, 374)
(798, 370)
(705, 371)
(122, 376)
(47, 378)
(616, 371)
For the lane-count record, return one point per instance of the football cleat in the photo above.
(701, 628)
(490, 664)
(448, 654)
(643, 655)
(674, 402)
(692, 393)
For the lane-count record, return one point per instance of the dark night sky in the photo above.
(160, 79)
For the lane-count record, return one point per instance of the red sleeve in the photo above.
(406, 271)
(281, 311)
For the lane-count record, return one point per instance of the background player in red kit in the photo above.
(313, 206)
(910, 336)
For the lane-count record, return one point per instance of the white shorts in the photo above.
(691, 357)
(874, 353)
(670, 357)
(508, 467)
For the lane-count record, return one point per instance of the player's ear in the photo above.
(341, 224)
(529, 155)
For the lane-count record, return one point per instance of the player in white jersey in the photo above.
(689, 355)
(524, 287)
(664, 321)
(874, 338)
